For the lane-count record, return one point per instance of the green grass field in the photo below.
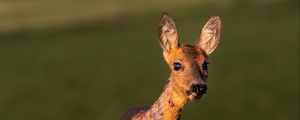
(95, 60)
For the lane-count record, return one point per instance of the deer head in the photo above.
(188, 63)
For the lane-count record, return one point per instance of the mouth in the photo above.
(196, 97)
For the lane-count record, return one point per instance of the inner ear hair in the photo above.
(210, 35)
(167, 32)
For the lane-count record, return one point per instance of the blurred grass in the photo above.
(36, 14)
(90, 60)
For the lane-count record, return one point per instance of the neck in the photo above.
(169, 105)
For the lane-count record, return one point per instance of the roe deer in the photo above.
(188, 64)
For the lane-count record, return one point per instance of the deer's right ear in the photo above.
(167, 33)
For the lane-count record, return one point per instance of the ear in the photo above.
(167, 33)
(210, 35)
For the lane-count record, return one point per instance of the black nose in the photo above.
(199, 89)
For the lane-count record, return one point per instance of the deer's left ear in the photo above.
(167, 32)
(210, 35)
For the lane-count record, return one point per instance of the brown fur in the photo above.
(175, 95)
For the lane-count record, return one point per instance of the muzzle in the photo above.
(199, 89)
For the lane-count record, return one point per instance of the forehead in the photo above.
(190, 53)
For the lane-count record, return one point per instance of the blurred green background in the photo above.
(93, 60)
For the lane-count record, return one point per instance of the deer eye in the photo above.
(177, 66)
(205, 65)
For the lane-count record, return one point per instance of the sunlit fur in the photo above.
(192, 59)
